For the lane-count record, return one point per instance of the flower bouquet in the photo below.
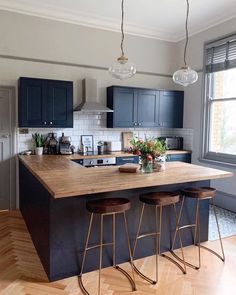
(149, 150)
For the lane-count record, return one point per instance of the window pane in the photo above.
(224, 84)
(223, 127)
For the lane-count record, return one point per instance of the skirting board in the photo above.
(225, 200)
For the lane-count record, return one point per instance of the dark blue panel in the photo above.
(125, 160)
(32, 102)
(179, 157)
(147, 103)
(45, 103)
(60, 103)
(171, 109)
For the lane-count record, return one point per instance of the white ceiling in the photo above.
(161, 19)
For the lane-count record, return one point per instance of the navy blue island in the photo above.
(53, 195)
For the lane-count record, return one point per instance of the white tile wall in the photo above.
(95, 124)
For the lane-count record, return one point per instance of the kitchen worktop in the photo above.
(64, 178)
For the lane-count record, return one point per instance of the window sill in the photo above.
(217, 163)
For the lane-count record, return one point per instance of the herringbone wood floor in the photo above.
(21, 272)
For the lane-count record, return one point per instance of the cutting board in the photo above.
(126, 137)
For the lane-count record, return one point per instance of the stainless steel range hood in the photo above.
(90, 102)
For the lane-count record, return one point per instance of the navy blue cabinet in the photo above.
(179, 157)
(123, 101)
(136, 107)
(45, 103)
(129, 159)
(147, 108)
(171, 109)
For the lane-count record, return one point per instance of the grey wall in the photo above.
(35, 38)
(193, 105)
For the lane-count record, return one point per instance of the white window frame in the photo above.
(206, 154)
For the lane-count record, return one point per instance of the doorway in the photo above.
(7, 148)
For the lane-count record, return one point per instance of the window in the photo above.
(220, 101)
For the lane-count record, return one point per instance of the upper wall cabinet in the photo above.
(171, 108)
(45, 103)
(134, 107)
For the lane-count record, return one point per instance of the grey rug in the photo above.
(227, 223)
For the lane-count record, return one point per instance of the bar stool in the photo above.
(199, 194)
(157, 200)
(103, 207)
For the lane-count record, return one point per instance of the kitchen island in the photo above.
(53, 195)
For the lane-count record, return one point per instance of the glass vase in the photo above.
(147, 166)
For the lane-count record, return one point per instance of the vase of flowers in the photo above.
(148, 150)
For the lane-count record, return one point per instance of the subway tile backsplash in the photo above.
(95, 124)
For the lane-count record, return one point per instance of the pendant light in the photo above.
(185, 76)
(122, 69)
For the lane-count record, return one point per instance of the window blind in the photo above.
(221, 55)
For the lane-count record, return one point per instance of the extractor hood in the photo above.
(90, 102)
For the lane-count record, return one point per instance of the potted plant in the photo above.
(149, 151)
(39, 142)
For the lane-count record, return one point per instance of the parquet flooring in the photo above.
(21, 272)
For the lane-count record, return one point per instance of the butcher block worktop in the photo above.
(64, 178)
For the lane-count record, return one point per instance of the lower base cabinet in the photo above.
(179, 157)
(128, 159)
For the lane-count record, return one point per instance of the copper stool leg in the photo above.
(84, 256)
(100, 246)
(179, 228)
(138, 236)
(100, 255)
(221, 243)
(157, 234)
(183, 269)
(132, 280)
(197, 232)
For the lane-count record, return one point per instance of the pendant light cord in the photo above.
(186, 29)
(122, 27)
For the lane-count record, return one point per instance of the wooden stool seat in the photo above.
(160, 198)
(110, 205)
(200, 192)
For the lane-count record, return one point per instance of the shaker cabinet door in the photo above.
(60, 103)
(45, 103)
(171, 109)
(123, 101)
(32, 102)
(147, 108)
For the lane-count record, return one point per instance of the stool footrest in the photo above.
(148, 235)
(97, 246)
(187, 226)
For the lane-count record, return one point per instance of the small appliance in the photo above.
(173, 142)
(65, 145)
(51, 144)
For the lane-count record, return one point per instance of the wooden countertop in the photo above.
(64, 178)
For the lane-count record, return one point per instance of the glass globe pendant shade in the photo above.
(122, 69)
(185, 76)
